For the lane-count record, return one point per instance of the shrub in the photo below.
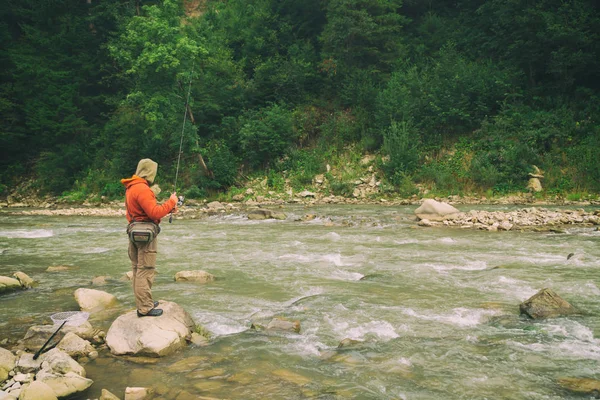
(266, 134)
(400, 143)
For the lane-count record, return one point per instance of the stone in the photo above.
(282, 324)
(261, 214)
(106, 395)
(61, 268)
(37, 390)
(7, 363)
(75, 346)
(100, 280)
(584, 386)
(93, 300)
(433, 210)
(37, 335)
(138, 393)
(199, 340)
(215, 205)
(25, 363)
(24, 279)
(534, 185)
(62, 373)
(546, 304)
(194, 276)
(306, 193)
(150, 336)
(9, 284)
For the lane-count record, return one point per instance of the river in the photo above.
(435, 309)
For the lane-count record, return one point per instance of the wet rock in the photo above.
(138, 393)
(585, 386)
(106, 395)
(94, 300)
(61, 268)
(436, 211)
(546, 304)
(292, 377)
(63, 374)
(198, 340)
(347, 342)
(187, 364)
(7, 363)
(194, 276)
(262, 214)
(25, 281)
(75, 346)
(215, 206)
(37, 390)
(100, 280)
(37, 335)
(9, 284)
(282, 324)
(150, 336)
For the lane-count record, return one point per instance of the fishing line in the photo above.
(185, 113)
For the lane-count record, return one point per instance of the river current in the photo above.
(434, 311)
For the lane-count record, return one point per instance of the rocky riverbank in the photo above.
(535, 215)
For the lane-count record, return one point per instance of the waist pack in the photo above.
(142, 232)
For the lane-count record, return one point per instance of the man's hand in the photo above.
(175, 199)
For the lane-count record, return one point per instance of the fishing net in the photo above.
(70, 318)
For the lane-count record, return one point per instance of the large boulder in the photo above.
(7, 363)
(150, 336)
(94, 300)
(75, 346)
(62, 374)
(9, 284)
(546, 304)
(583, 386)
(25, 281)
(436, 211)
(37, 390)
(194, 276)
(37, 335)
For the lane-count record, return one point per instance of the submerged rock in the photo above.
(436, 211)
(282, 324)
(150, 336)
(194, 276)
(260, 214)
(94, 300)
(581, 385)
(546, 304)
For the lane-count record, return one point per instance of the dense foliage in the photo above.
(458, 95)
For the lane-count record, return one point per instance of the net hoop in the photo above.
(70, 318)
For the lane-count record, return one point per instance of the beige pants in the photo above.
(143, 263)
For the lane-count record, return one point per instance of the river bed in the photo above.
(435, 309)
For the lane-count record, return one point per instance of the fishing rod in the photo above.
(187, 101)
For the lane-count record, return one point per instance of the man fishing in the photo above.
(143, 215)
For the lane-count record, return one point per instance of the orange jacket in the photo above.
(140, 201)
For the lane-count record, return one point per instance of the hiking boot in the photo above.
(155, 312)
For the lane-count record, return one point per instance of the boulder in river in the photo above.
(25, 281)
(37, 335)
(194, 276)
(75, 346)
(436, 211)
(63, 374)
(9, 284)
(150, 336)
(7, 363)
(260, 214)
(94, 300)
(546, 304)
(37, 390)
(282, 324)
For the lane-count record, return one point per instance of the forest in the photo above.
(460, 96)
